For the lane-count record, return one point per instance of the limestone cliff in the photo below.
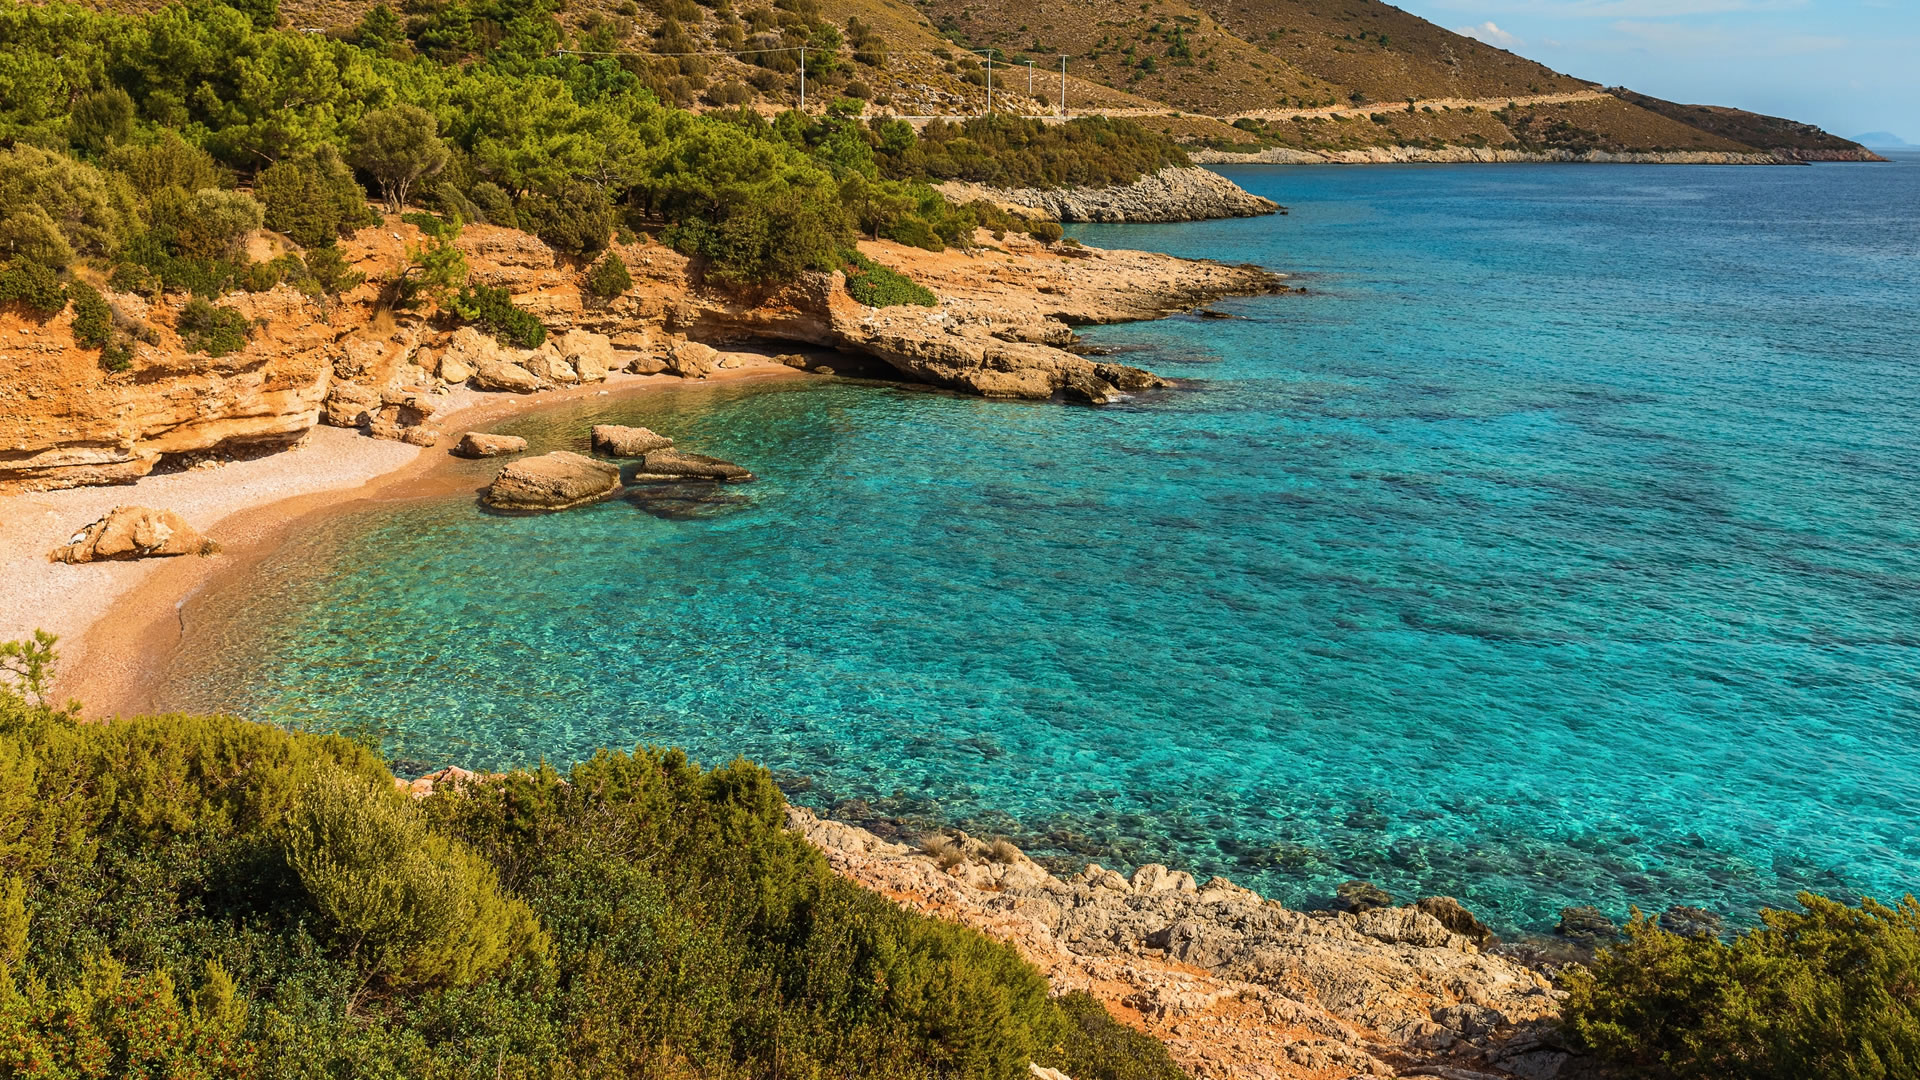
(1173, 194)
(999, 330)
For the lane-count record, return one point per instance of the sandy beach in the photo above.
(120, 623)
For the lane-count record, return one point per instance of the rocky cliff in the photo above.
(1173, 194)
(1000, 329)
(1237, 986)
(1457, 155)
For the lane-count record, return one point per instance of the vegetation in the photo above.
(879, 286)
(1010, 151)
(1831, 992)
(32, 286)
(495, 313)
(216, 331)
(609, 277)
(206, 897)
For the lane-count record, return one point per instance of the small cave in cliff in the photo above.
(227, 451)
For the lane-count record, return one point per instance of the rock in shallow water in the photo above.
(615, 440)
(672, 465)
(480, 444)
(553, 481)
(131, 532)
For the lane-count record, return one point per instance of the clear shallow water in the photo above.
(1562, 546)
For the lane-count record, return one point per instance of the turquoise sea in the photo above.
(1560, 546)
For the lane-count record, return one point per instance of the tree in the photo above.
(313, 199)
(575, 220)
(609, 278)
(398, 147)
(101, 120)
(213, 224)
(77, 198)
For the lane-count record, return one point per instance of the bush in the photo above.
(213, 224)
(327, 269)
(494, 311)
(406, 905)
(878, 286)
(92, 317)
(290, 915)
(609, 277)
(1011, 151)
(1047, 232)
(313, 199)
(575, 219)
(32, 286)
(1825, 993)
(215, 331)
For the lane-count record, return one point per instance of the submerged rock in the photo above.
(1586, 925)
(671, 465)
(684, 502)
(1691, 922)
(553, 481)
(1359, 896)
(480, 444)
(614, 440)
(132, 532)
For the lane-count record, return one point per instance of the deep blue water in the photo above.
(1561, 546)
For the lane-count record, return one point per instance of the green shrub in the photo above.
(215, 331)
(328, 271)
(494, 311)
(1095, 1046)
(404, 904)
(879, 286)
(1047, 232)
(609, 277)
(92, 318)
(117, 356)
(1831, 992)
(429, 224)
(32, 286)
(576, 219)
(314, 198)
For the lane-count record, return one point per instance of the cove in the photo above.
(1560, 546)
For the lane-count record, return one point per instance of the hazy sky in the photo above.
(1850, 66)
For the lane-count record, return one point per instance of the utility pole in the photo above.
(1063, 86)
(989, 82)
(1029, 80)
(803, 78)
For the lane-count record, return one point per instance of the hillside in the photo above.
(1788, 138)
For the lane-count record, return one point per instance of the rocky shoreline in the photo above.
(1176, 193)
(1236, 985)
(1002, 328)
(1415, 155)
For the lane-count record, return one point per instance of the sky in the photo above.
(1850, 66)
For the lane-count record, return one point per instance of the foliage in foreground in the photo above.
(1829, 993)
(205, 897)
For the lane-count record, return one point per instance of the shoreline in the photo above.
(122, 623)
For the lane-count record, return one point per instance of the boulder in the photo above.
(403, 417)
(692, 360)
(348, 404)
(548, 367)
(1454, 915)
(505, 376)
(1155, 878)
(454, 369)
(671, 465)
(472, 348)
(646, 363)
(617, 441)
(480, 444)
(590, 354)
(553, 481)
(132, 532)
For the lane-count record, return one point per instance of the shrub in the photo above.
(494, 311)
(30, 235)
(327, 269)
(1095, 1046)
(91, 215)
(32, 286)
(879, 286)
(575, 219)
(215, 331)
(405, 904)
(168, 163)
(92, 317)
(1828, 992)
(313, 199)
(494, 204)
(213, 224)
(609, 277)
(1047, 232)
